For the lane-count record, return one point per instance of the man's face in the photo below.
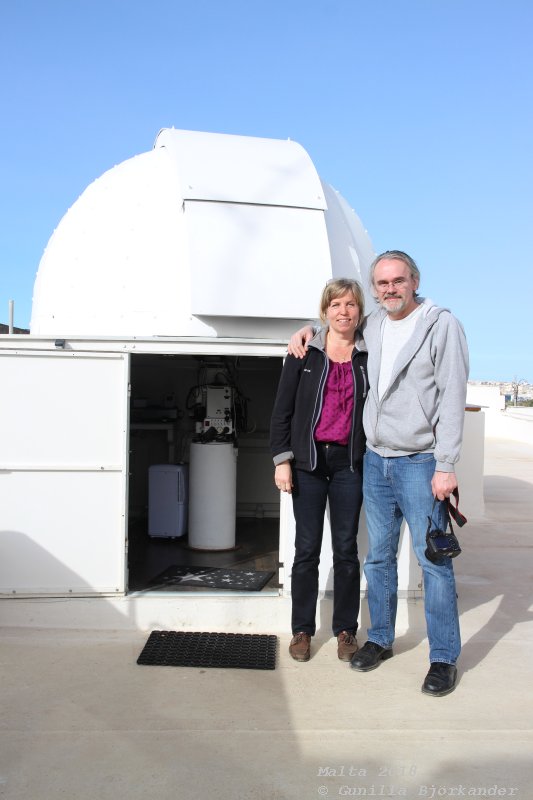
(395, 287)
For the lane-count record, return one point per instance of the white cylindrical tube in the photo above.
(212, 496)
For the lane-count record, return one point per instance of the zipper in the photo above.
(352, 434)
(365, 391)
(363, 375)
(318, 410)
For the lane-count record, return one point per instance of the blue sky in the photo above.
(420, 112)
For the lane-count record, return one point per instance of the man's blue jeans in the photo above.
(394, 489)
(332, 480)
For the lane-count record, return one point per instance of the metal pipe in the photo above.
(11, 314)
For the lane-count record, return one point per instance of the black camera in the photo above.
(441, 543)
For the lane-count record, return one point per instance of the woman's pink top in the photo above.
(335, 420)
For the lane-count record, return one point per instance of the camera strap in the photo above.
(431, 521)
(453, 511)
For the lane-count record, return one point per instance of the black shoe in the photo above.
(440, 680)
(369, 656)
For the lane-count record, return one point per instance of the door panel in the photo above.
(63, 472)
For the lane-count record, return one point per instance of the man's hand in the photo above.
(443, 484)
(283, 477)
(297, 346)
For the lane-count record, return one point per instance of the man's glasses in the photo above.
(398, 283)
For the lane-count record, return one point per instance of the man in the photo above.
(413, 420)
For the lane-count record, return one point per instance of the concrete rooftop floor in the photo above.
(81, 720)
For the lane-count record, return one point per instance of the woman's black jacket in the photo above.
(298, 405)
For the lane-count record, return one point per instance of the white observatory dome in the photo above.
(205, 235)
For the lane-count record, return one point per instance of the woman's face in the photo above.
(343, 314)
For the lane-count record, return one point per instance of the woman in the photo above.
(317, 444)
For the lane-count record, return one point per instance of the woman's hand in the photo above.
(297, 346)
(283, 477)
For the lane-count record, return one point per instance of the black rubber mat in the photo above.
(184, 649)
(246, 580)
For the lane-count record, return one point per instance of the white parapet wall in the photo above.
(514, 422)
(470, 466)
(485, 396)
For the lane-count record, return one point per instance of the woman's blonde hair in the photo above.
(337, 287)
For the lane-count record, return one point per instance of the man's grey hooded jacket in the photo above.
(422, 409)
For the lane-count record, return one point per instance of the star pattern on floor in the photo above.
(213, 578)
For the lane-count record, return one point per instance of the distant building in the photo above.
(505, 389)
(5, 329)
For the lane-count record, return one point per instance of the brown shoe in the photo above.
(300, 646)
(346, 645)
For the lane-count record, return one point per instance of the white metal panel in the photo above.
(256, 261)
(243, 169)
(61, 532)
(63, 468)
(351, 249)
(116, 263)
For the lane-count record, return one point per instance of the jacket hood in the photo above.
(319, 340)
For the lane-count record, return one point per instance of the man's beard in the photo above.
(394, 304)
